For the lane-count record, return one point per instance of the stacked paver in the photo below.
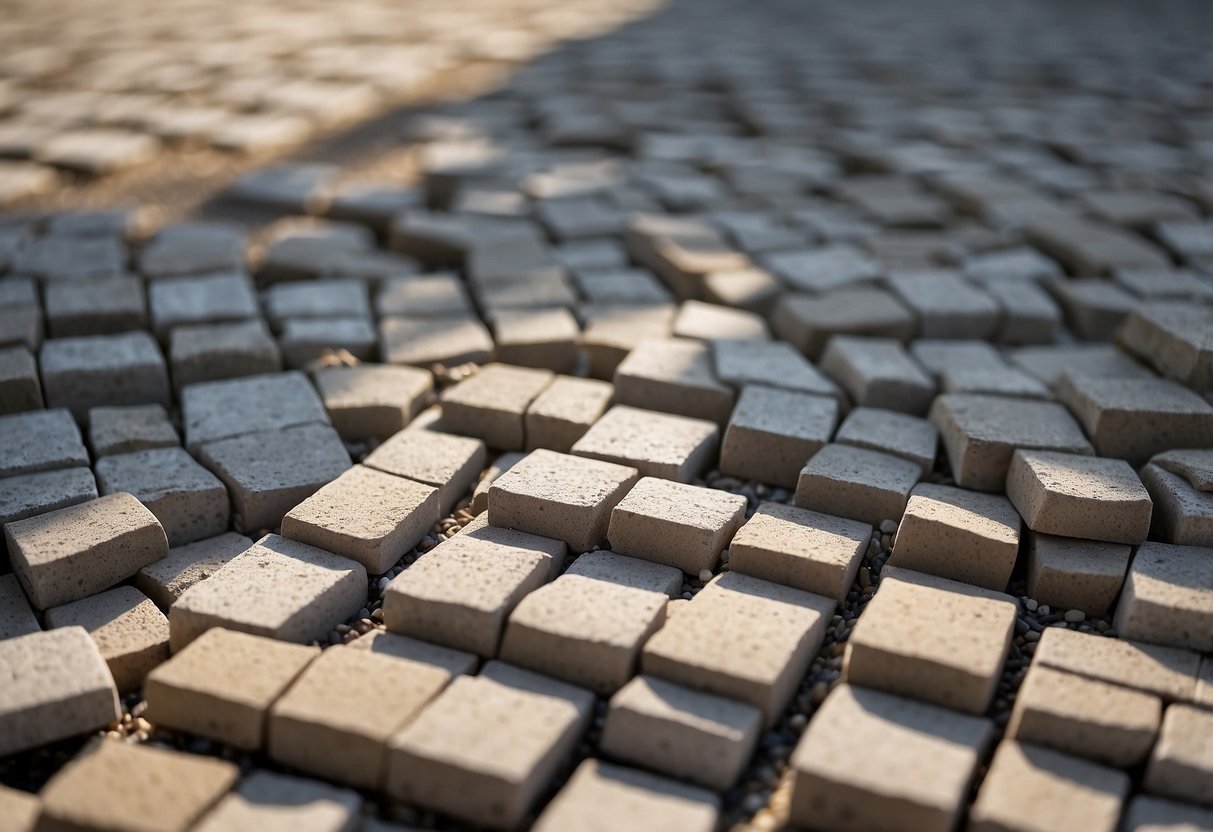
(728, 428)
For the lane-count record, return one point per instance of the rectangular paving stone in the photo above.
(945, 305)
(587, 626)
(188, 500)
(1065, 791)
(1071, 574)
(632, 799)
(932, 639)
(365, 515)
(434, 295)
(1134, 419)
(444, 461)
(247, 594)
(701, 321)
(101, 306)
(1182, 513)
(1094, 308)
(224, 409)
(268, 801)
(74, 552)
(124, 430)
(771, 364)
(491, 404)
(20, 387)
(1168, 596)
(1075, 495)
(192, 248)
(1151, 814)
(1050, 363)
(270, 472)
(312, 728)
(810, 322)
(542, 338)
(480, 495)
(856, 483)
(130, 632)
(201, 299)
(877, 372)
(980, 433)
(424, 342)
(1182, 763)
(1169, 672)
(184, 566)
(16, 615)
(890, 432)
(610, 331)
(772, 434)
(460, 593)
(1086, 717)
(1027, 314)
(222, 684)
(44, 701)
(21, 326)
(656, 444)
(213, 352)
(1090, 247)
(1170, 337)
(40, 440)
(334, 298)
(157, 788)
(874, 761)
(489, 745)
(681, 733)
(712, 644)
(307, 340)
(28, 495)
(749, 288)
(963, 535)
(675, 524)
(564, 411)
(618, 284)
(673, 375)
(87, 372)
(819, 270)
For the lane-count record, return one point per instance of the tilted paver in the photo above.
(877, 372)
(656, 444)
(856, 483)
(103, 370)
(1182, 761)
(124, 430)
(673, 375)
(184, 566)
(492, 404)
(446, 462)
(372, 400)
(1183, 514)
(1168, 596)
(1169, 672)
(564, 411)
(772, 433)
(188, 500)
(1070, 573)
(130, 632)
(224, 409)
(890, 432)
(40, 440)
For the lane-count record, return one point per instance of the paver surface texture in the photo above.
(618, 416)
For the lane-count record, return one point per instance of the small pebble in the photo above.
(888, 526)
(1075, 616)
(705, 575)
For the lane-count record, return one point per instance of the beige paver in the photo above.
(248, 594)
(878, 372)
(269, 802)
(188, 500)
(656, 444)
(372, 401)
(1072, 574)
(874, 761)
(1151, 814)
(491, 405)
(123, 430)
(565, 497)
(57, 686)
(1170, 337)
(741, 637)
(587, 626)
(676, 524)
(809, 322)
(1181, 764)
(932, 639)
(115, 785)
(40, 440)
(709, 322)
(612, 330)
(73, 552)
(609, 797)
(981, 432)
(673, 375)
(1086, 717)
(772, 434)
(488, 746)
(1169, 672)
(221, 686)
(543, 338)
(963, 535)
(680, 732)
(1082, 496)
(856, 483)
(447, 462)
(20, 809)
(460, 593)
(480, 494)
(1168, 596)
(1183, 514)
(564, 411)
(365, 515)
(130, 632)
(1065, 792)
(184, 566)
(890, 432)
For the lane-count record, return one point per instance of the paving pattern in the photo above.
(761, 416)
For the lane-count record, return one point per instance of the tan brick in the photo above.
(184, 566)
(799, 548)
(365, 515)
(188, 500)
(877, 372)
(1168, 672)
(480, 494)
(124, 430)
(1065, 792)
(1072, 574)
(963, 535)
(460, 593)
(869, 760)
(130, 632)
(681, 732)
(1168, 596)
(856, 483)
(701, 321)
(773, 433)
(372, 400)
(247, 594)
(1182, 514)
(222, 685)
(16, 615)
(543, 338)
(19, 809)
(587, 626)
(74, 552)
(1181, 764)
(945, 304)
(890, 432)
(268, 801)
(492, 403)
(932, 639)
(656, 444)
(563, 412)
(565, 497)
(743, 638)
(673, 375)
(43, 700)
(447, 462)
(312, 727)
(489, 745)
(424, 342)
(981, 432)
(1150, 814)
(630, 799)
(1086, 717)
(684, 526)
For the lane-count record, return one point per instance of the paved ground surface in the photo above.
(695, 417)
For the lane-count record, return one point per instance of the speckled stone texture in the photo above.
(448, 463)
(103, 370)
(20, 388)
(188, 500)
(1183, 514)
(673, 375)
(1169, 672)
(856, 483)
(40, 440)
(16, 615)
(773, 433)
(1181, 764)
(266, 801)
(124, 430)
(1168, 596)
(890, 432)
(223, 409)
(1073, 574)
(564, 411)
(28, 495)
(129, 630)
(656, 444)
(878, 372)
(491, 405)
(184, 566)
(372, 401)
